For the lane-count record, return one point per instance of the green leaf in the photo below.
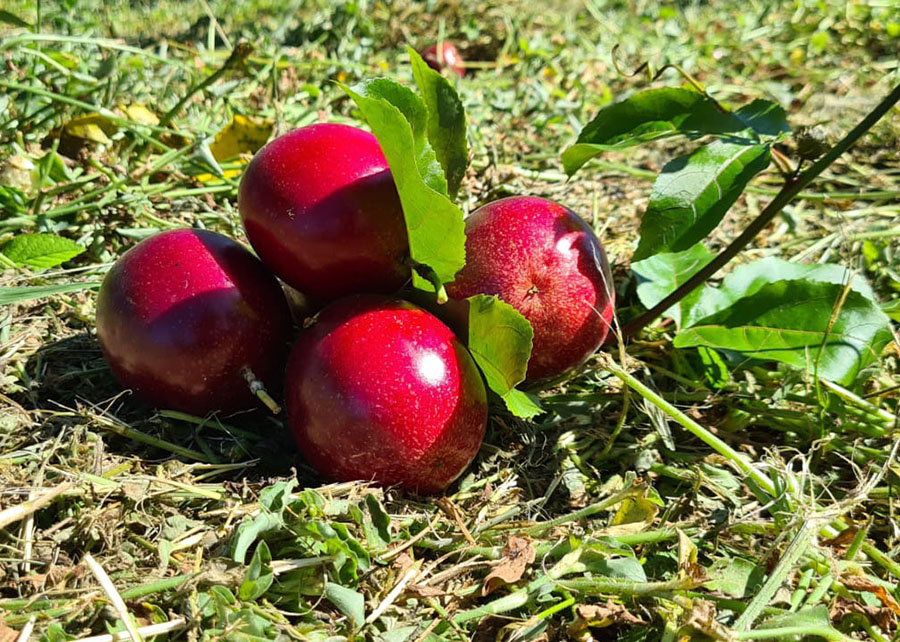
(500, 341)
(380, 531)
(735, 576)
(13, 19)
(415, 112)
(437, 236)
(41, 250)
(809, 622)
(892, 309)
(9, 295)
(661, 274)
(650, 115)
(259, 576)
(522, 404)
(766, 118)
(747, 279)
(787, 321)
(692, 194)
(446, 126)
(348, 602)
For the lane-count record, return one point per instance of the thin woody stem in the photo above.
(791, 188)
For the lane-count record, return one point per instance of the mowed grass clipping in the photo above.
(666, 494)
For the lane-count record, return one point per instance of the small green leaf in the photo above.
(694, 192)
(522, 404)
(13, 19)
(41, 250)
(661, 274)
(380, 522)
(650, 115)
(787, 321)
(812, 622)
(892, 309)
(348, 602)
(735, 576)
(20, 294)
(766, 118)
(259, 576)
(437, 236)
(446, 126)
(500, 341)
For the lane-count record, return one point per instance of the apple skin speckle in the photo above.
(381, 390)
(182, 313)
(321, 209)
(543, 260)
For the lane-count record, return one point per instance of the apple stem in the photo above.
(431, 276)
(258, 388)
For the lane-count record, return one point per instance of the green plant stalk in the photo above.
(787, 632)
(795, 551)
(739, 460)
(785, 196)
(167, 584)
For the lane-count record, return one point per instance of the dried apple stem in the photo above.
(259, 389)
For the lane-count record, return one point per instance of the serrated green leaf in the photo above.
(766, 118)
(437, 236)
(522, 404)
(693, 193)
(661, 274)
(348, 602)
(415, 111)
(250, 530)
(9, 295)
(735, 576)
(787, 321)
(446, 123)
(813, 622)
(41, 250)
(650, 115)
(500, 341)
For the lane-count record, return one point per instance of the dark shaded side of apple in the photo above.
(445, 57)
(381, 390)
(542, 259)
(321, 210)
(183, 313)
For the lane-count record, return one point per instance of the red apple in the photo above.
(543, 260)
(321, 210)
(183, 315)
(381, 390)
(445, 57)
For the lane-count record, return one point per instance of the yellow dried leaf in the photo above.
(211, 178)
(139, 114)
(242, 135)
(635, 510)
(94, 128)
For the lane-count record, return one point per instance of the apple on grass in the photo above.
(321, 210)
(444, 56)
(192, 321)
(543, 260)
(381, 390)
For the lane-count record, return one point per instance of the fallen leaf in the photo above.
(856, 583)
(687, 558)
(139, 114)
(425, 591)
(7, 634)
(94, 128)
(242, 135)
(882, 617)
(518, 555)
(842, 539)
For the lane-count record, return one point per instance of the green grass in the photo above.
(749, 503)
